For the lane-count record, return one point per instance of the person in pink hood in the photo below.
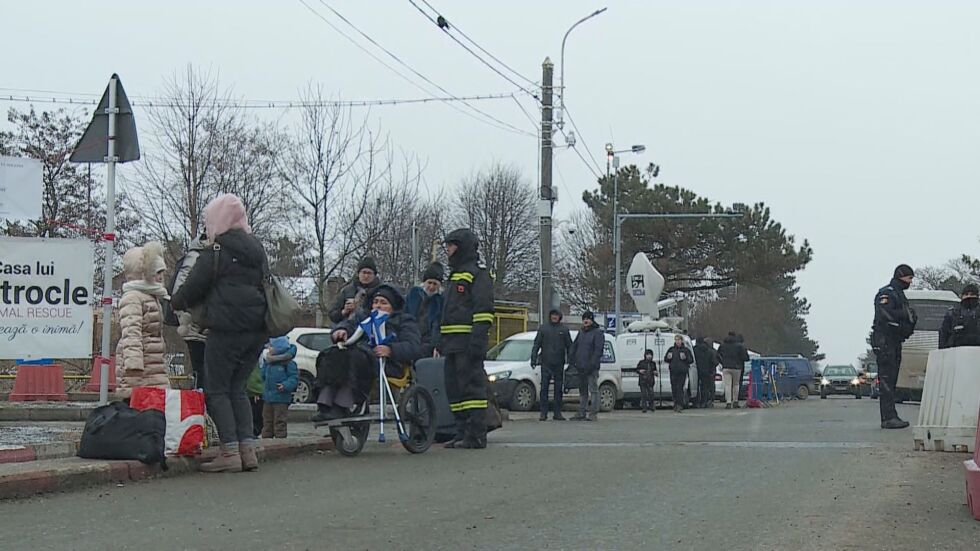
(226, 281)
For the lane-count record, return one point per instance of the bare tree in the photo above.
(331, 166)
(584, 264)
(498, 204)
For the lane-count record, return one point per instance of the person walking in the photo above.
(140, 348)
(707, 361)
(586, 358)
(678, 359)
(280, 376)
(646, 371)
(465, 329)
(550, 350)
(227, 280)
(894, 322)
(732, 357)
(192, 334)
(354, 298)
(425, 303)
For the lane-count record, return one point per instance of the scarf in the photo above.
(143, 286)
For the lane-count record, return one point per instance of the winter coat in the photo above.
(426, 310)
(351, 291)
(468, 314)
(187, 329)
(279, 367)
(254, 387)
(646, 370)
(706, 357)
(551, 345)
(732, 354)
(678, 359)
(232, 295)
(139, 352)
(407, 346)
(586, 354)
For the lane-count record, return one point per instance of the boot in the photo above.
(728, 405)
(543, 417)
(895, 423)
(558, 417)
(227, 461)
(250, 461)
(460, 431)
(735, 405)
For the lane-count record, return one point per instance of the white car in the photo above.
(631, 347)
(309, 341)
(518, 386)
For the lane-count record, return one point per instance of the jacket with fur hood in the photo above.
(139, 352)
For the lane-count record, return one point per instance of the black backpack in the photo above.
(117, 431)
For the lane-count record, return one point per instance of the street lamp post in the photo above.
(561, 78)
(620, 218)
(611, 157)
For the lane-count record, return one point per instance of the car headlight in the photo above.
(825, 381)
(499, 376)
(855, 381)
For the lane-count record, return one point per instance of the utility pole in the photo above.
(545, 204)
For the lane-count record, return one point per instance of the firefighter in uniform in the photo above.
(894, 323)
(465, 328)
(961, 325)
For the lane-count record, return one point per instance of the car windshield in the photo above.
(513, 350)
(839, 372)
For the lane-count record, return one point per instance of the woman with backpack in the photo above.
(227, 281)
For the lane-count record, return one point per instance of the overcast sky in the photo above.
(857, 122)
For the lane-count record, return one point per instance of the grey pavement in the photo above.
(818, 474)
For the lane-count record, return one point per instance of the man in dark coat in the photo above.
(707, 360)
(961, 324)
(732, 356)
(586, 357)
(551, 346)
(678, 359)
(894, 322)
(354, 299)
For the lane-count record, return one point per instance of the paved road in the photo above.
(818, 474)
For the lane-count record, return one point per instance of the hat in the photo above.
(588, 315)
(144, 262)
(224, 213)
(970, 289)
(555, 312)
(434, 271)
(367, 262)
(391, 294)
(903, 270)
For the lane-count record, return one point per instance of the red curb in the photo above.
(18, 455)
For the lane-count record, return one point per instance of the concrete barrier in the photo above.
(950, 401)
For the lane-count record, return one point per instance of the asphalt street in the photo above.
(817, 474)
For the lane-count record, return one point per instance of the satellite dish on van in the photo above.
(645, 284)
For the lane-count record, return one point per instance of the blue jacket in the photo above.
(429, 323)
(278, 367)
(586, 352)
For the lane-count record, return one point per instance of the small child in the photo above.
(281, 377)
(647, 371)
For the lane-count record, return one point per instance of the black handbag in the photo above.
(117, 431)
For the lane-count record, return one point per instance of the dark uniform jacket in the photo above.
(551, 345)
(961, 327)
(894, 318)
(468, 313)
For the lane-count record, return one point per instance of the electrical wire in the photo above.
(474, 54)
(499, 123)
(582, 138)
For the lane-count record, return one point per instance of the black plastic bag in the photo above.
(117, 431)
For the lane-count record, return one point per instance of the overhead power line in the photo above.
(489, 118)
(581, 137)
(442, 24)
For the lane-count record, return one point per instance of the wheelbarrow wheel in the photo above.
(418, 412)
(353, 445)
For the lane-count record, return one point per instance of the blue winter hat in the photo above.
(280, 345)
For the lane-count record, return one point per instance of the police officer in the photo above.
(466, 320)
(894, 322)
(961, 326)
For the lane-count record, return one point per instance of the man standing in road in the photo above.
(551, 346)
(732, 356)
(707, 359)
(894, 322)
(961, 325)
(586, 357)
(678, 359)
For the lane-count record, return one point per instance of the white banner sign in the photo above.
(20, 188)
(45, 298)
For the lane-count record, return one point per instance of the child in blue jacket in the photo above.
(280, 376)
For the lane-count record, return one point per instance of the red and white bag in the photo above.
(184, 411)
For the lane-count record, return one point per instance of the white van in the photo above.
(631, 347)
(517, 386)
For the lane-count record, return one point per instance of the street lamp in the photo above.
(561, 86)
(612, 158)
(620, 218)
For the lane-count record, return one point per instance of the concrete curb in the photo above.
(35, 452)
(57, 475)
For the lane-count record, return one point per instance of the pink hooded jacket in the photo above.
(225, 212)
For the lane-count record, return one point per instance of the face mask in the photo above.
(970, 302)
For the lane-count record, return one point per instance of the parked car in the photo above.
(795, 375)
(631, 346)
(517, 386)
(309, 341)
(840, 379)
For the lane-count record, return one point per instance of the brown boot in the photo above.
(227, 461)
(250, 461)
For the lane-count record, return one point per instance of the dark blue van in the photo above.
(794, 375)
